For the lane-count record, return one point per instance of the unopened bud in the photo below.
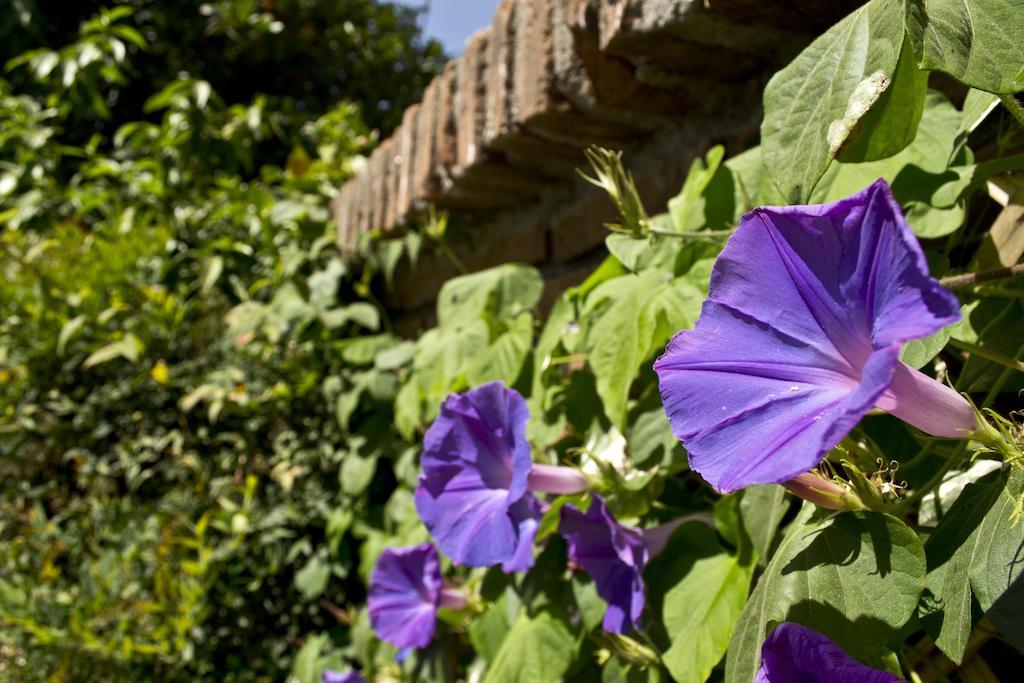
(824, 492)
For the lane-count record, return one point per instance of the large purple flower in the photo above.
(796, 653)
(473, 495)
(349, 676)
(613, 555)
(800, 337)
(405, 591)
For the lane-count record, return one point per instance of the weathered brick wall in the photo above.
(498, 136)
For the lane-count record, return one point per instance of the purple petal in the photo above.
(349, 676)
(613, 555)
(796, 653)
(904, 300)
(404, 592)
(484, 429)
(927, 404)
(799, 338)
(526, 512)
(476, 462)
(767, 420)
(469, 521)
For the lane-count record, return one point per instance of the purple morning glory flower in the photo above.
(794, 653)
(405, 592)
(800, 337)
(349, 676)
(614, 555)
(474, 493)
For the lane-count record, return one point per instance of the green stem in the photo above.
(990, 325)
(651, 644)
(953, 460)
(571, 358)
(698, 234)
(991, 355)
(447, 251)
(997, 386)
(997, 292)
(921, 455)
(968, 279)
(1014, 108)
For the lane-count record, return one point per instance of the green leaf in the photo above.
(855, 577)
(488, 631)
(891, 123)
(675, 306)
(917, 352)
(306, 667)
(625, 333)
(67, 331)
(619, 339)
(929, 222)
(537, 650)
(610, 268)
(311, 580)
(382, 386)
(946, 610)
(762, 509)
(687, 209)
(283, 212)
(813, 105)
(362, 313)
(394, 357)
(346, 404)
(497, 294)
(918, 174)
(752, 185)
(651, 441)
(558, 324)
(929, 152)
(127, 348)
(977, 106)
(201, 393)
(976, 41)
(975, 551)
(729, 522)
(213, 272)
(937, 503)
(552, 516)
(245, 318)
(443, 356)
(701, 609)
(407, 410)
(635, 253)
(323, 285)
(997, 572)
(390, 254)
(287, 309)
(365, 350)
(356, 473)
(504, 358)
(591, 605)
(970, 178)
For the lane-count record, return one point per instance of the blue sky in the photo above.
(452, 21)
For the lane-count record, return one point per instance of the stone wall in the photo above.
(498, 137)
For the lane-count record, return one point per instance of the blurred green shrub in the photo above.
(176, 329)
